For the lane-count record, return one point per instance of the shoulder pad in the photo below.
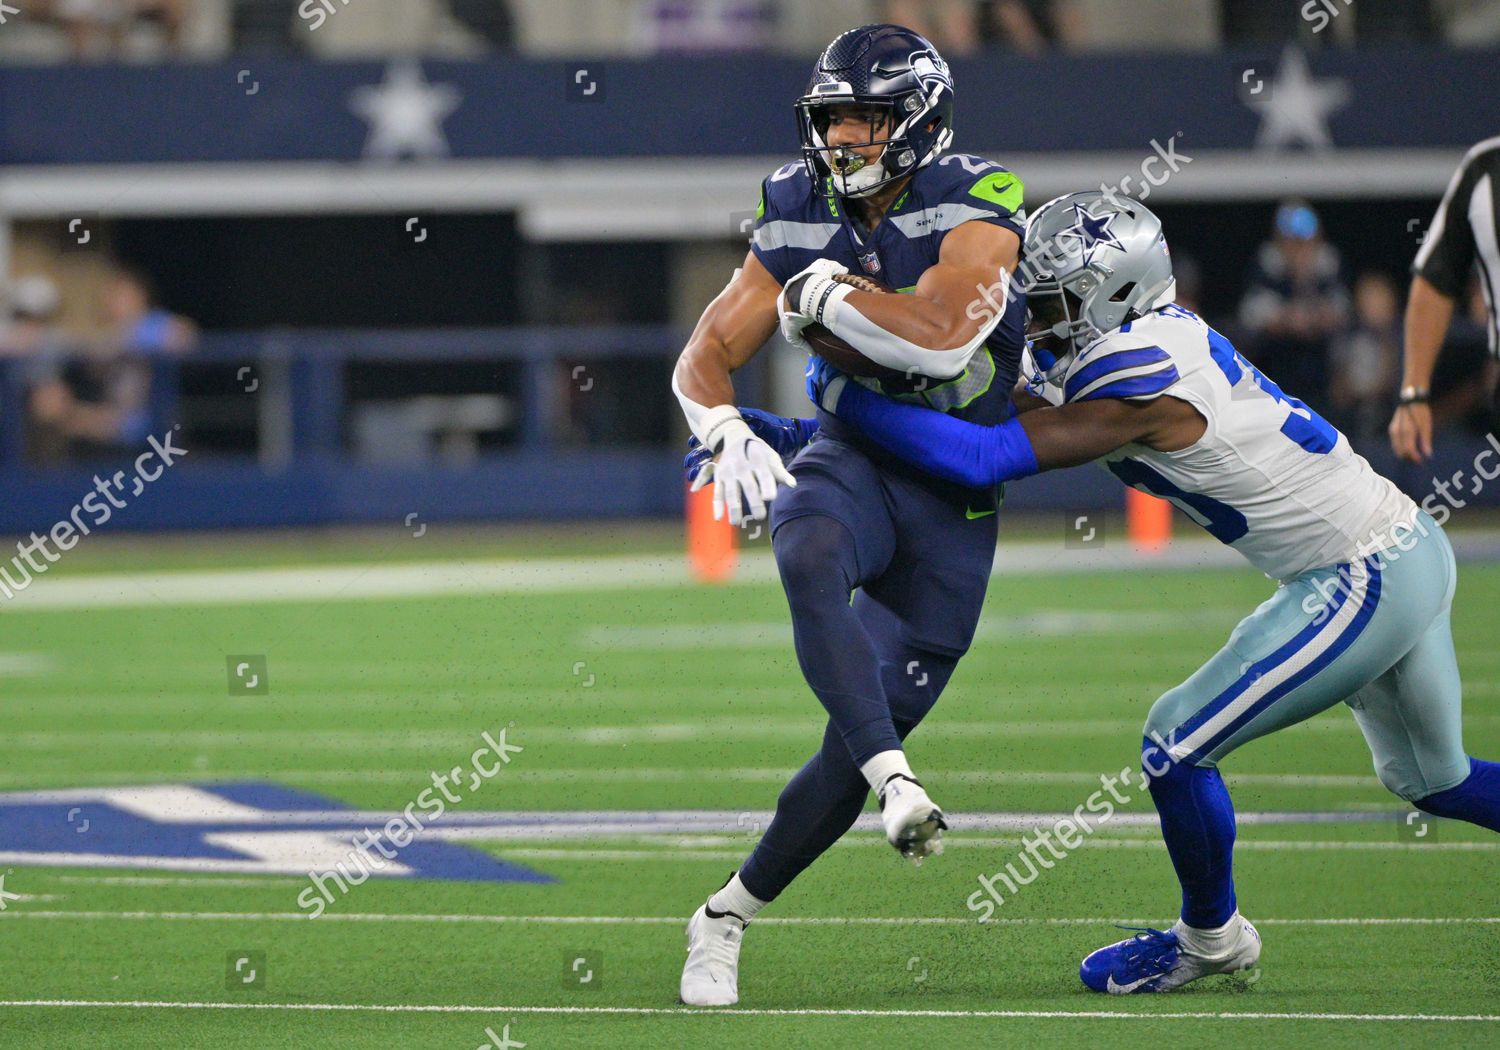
(1120, 368)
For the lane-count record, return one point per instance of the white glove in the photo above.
(810, 294)
(747, 470)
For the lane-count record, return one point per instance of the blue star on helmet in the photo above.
(1094, 229)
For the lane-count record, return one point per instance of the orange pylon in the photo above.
(711, 545)
(1148, 521)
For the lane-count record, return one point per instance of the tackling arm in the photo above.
(1043, 439)
(934, 331)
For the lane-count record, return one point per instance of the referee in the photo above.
(1463, 232)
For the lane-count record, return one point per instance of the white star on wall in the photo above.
(405, 113)
(1295, 107)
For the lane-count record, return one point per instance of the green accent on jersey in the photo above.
(975, 515)
(1002, 188)
(949, 395)
(901, 200)
(960, 391)
(830, 196)
(760, 211)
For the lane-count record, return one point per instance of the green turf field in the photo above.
(651, 695)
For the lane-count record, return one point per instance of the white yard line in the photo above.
(677, 920)
(684, 1011)
(533, 576)
(550, 575)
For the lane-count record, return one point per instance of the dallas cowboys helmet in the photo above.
(1091, 262)
(897, 73)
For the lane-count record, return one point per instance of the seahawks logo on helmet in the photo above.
(930, 69)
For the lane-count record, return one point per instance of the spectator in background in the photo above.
(94, 404)
(963, 27)
(1465, 369)
(30, 331)
(96, 28)
(707, 26)
(951, 25)
(136, 324)
(79, 402)
(1295, 303)
(1189, 277)
(490, 20)
(1365, 359)
(1032, 26)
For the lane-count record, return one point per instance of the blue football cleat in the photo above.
(1134, 965)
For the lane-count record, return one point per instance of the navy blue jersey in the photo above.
(798, 223)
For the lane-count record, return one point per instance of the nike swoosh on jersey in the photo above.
(975, 515)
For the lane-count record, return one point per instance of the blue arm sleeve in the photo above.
(966, 453)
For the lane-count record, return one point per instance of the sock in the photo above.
(1476, 800)
(734, 899)
(1197, 822)
(884, 766)
(1208, 942)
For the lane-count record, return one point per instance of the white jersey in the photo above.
(1269, 476)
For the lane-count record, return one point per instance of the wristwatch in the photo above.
(1413, 395)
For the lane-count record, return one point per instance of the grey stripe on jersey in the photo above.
(784, 233)
(945, 216)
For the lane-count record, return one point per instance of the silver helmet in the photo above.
(1091, 262)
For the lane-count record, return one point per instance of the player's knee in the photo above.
(1399, 782)
(1160, 730)
(815, 554)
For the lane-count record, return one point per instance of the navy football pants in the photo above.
(920, 563)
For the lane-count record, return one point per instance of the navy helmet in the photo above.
(903, 79)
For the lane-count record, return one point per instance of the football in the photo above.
(839, 353)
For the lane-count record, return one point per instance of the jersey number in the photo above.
(1304, 426)
(1222, 521)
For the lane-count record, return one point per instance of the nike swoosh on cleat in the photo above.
(1122, 989)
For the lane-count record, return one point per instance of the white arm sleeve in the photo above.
(707, 424)
(843, 320)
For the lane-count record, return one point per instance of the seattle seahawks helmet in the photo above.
(899, 74)
(1091, 262)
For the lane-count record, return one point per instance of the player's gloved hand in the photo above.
(798, 301)
(824, 384)
(785, 434)
(746, 473)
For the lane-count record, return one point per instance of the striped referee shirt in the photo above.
(1464, 232)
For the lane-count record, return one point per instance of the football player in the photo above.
(1367, 577)
(874, 194)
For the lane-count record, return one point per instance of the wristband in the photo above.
(716, 424)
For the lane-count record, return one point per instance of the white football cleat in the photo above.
(1157, 961)
(1238, 955)
(711, 975)
(913, 822)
